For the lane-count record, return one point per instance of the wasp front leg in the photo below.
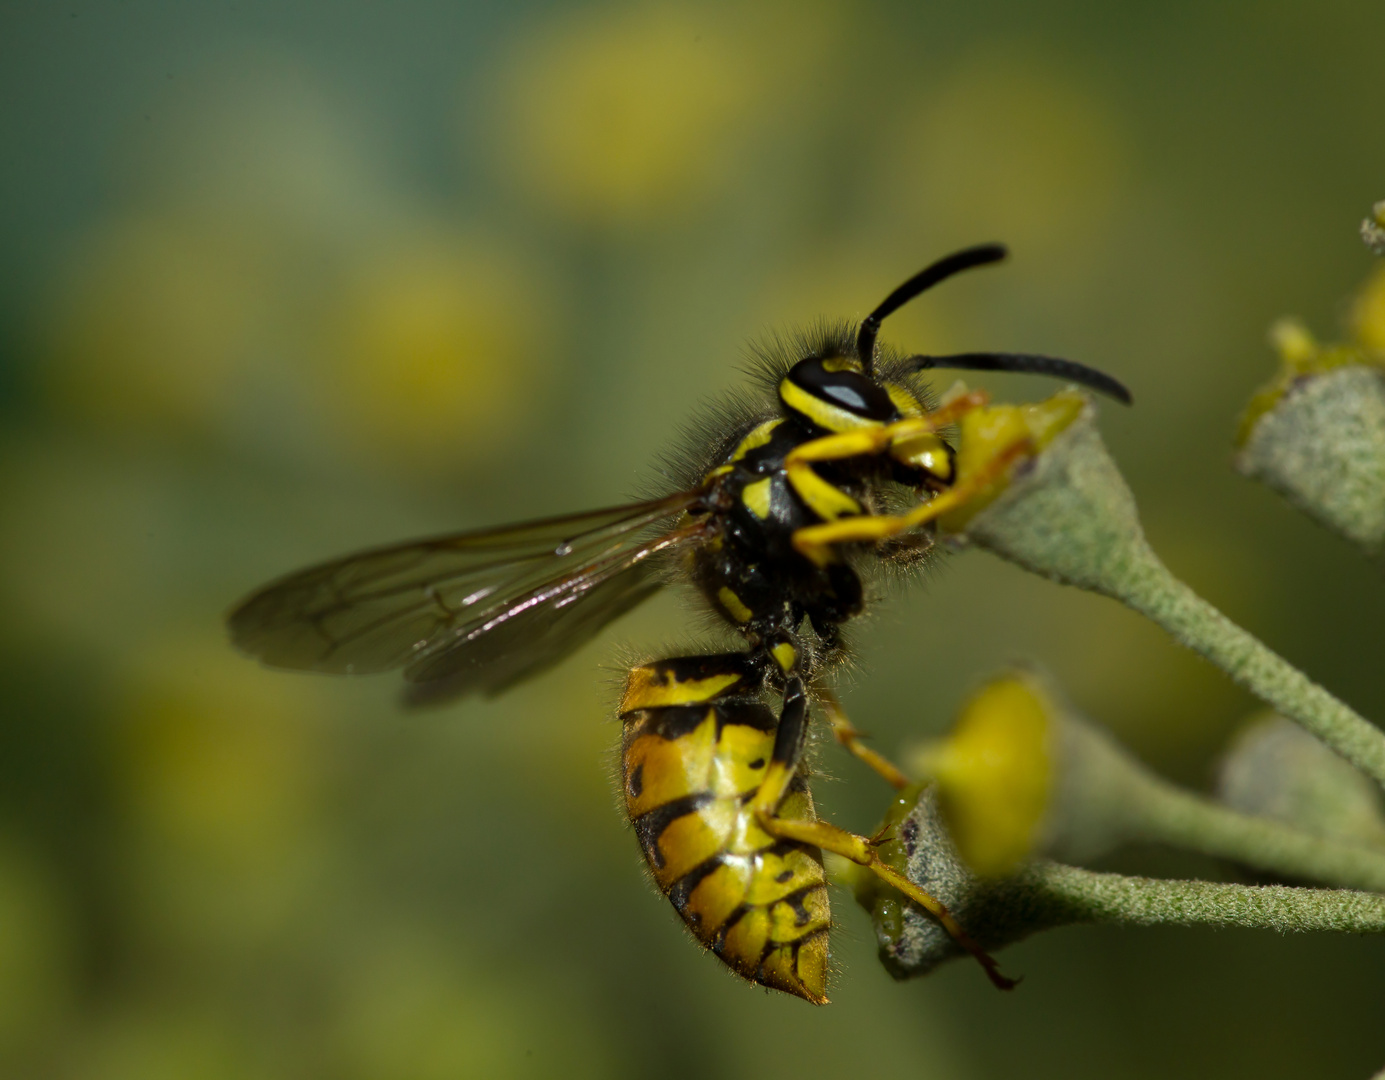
(912, 441)
(785, 762)
(817, 542)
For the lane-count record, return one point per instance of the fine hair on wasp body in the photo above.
(838, 463)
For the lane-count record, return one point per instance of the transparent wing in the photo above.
(511, 641)
(499, 604)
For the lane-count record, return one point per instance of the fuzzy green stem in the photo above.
(1106, 797)
(1087, 896)
(1044, 894)
(1177, 817)
(1072, 518)
(1148, 587)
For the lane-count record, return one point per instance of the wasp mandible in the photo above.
(839, 464)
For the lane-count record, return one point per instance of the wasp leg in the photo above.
(861, 851)
(790, 738)
(906, 439)
(847, 734)
(816, 541)
(789, 742)
(876, 440)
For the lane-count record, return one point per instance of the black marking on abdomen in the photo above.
(672, 722)
(650, 826)
(681, 890)
(802, 917)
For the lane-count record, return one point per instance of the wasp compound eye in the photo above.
(835, 395)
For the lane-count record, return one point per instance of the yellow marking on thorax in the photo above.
(720, 470)
(785, 655)
(757, 438)
(733, 605)
(904, 401)
(756, 497)
(823, 499)
(648, 688)
(821, 412)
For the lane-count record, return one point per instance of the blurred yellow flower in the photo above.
(218, 758)
(38, 974)
(1010, 147)
(1368, 312)
(416, 351)
(153, 322)
(432, 355)
(625, 113)
(995, 773)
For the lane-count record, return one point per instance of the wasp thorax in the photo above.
(836, 394)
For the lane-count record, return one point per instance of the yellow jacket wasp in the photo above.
(780, 513)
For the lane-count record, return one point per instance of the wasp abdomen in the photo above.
(696, 746)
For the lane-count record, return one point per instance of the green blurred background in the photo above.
(284, 278)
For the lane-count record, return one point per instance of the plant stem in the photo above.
(1173, 816)
(1073, 519)
(1106, 797)
(1045, 894)
(1148, 587)
(1087, 896)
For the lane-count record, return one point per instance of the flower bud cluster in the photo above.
(1316, 432)
(1023, 786)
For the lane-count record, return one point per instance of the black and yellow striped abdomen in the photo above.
(697, 742)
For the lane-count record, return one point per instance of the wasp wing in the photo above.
(423, 602)
(526, 633)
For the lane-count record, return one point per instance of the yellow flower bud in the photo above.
(988, 433)
(1368, 314)
(995, 774)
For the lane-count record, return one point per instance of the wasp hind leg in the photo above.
(861, 851)
(852, 739)
(789, 742)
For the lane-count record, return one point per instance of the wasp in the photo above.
(839, 463)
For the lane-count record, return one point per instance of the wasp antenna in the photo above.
(925, 279)
(1029, 364)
